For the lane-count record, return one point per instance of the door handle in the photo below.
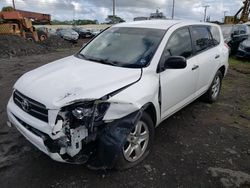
(195, 67)
(217, 56)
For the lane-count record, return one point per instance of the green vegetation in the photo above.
(242, 66)
(235, 61)
(109, 20)
(114, 19)
(8, 9)
(74, 22)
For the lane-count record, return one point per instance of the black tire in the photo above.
(42, 37)
(210, 96)
(30, 39)
(122, 163)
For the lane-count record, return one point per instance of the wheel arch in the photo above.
(151, 110)
(222, 69)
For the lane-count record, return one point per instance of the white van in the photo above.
(101, 105)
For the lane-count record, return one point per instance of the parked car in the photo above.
(101, 105)
(244, 49)
(68, 34)
(234, 35)
(95, 32)
(83, 33)
(52, 32)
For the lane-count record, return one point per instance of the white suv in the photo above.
(101, 105)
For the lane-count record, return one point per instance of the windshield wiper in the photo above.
(107, 62)
(103, 61)
(81, 56)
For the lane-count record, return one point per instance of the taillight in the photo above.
(226, 45)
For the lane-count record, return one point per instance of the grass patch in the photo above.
(240, 65)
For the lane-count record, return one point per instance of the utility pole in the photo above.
(225, 15)
(173, 9)
(113, 8)
(205, 12)
(14, 6)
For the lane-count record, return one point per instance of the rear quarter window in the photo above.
(215, 34)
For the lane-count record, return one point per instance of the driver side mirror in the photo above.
(175, 62)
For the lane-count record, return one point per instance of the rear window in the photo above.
(216, 34)
(202, 38)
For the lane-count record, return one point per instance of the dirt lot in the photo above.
(203, 145)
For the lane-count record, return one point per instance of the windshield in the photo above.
(125, 47)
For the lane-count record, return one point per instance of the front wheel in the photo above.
(138, 144)
(213, 92)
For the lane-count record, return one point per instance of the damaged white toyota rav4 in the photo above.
(101, 106)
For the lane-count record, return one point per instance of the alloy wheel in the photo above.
(137, 142)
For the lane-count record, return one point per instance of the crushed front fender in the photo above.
(112, 140)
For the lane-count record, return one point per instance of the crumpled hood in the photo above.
(64, 81)
(246, 43)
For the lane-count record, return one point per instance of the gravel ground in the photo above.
(15, 46)
(203, 145)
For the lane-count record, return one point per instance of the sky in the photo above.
(126, 9)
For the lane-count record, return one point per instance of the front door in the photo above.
(178, 86)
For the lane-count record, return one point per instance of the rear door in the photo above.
(207, 56)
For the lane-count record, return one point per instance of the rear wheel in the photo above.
(213, 92)
(138, 144)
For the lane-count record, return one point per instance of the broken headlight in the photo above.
(94, 111)
(80, 112)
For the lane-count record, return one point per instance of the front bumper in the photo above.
(17, 117)
(99, 153)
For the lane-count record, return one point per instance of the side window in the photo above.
(215, 34)
(202, 38)
(179, 44)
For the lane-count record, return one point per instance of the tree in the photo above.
(85, 22)
(7, 9)
(114, 19)
(74, 22)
